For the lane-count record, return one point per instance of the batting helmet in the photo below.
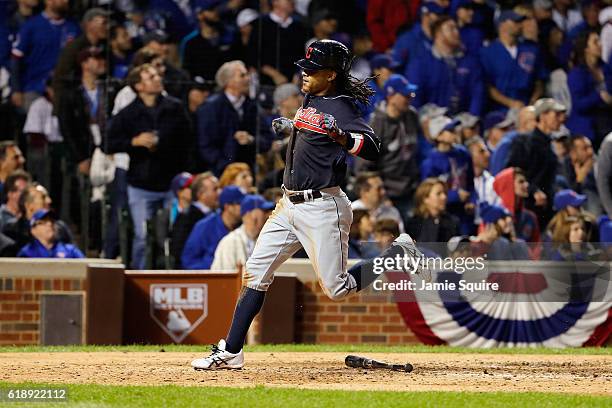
(323, 54)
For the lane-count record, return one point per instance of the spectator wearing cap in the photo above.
(211, 45)
(37, 49)
(452, 163)
(237, 246)
(67, 71)
(418, 40)
(472, 36)
(529, 25)
(513, 70)
(181, 189)
(591, 102)
(579, 170)
(469, 126)
(431, 221)
(244, 22)
(384, 18)
(396, 123)
(483, 180)
(82, 110)
(277, 40)
(205, 194)
(202, 243)
(512, 187)
(33, 198)
(176, 81)
(382, 66)
(533, 154)
(44, 243)
(497, 237)
(525, 124)
(227, 123)
(496, 124)
(121, 51)
(568, 204)
(560, 145)
(155, 131)
(445, 75)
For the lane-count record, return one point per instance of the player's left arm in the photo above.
(358, 138)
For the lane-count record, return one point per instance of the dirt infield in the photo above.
(433, 372)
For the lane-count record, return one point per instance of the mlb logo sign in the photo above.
(178, 308)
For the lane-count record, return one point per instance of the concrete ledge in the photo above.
(43, 268)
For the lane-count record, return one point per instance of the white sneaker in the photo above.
(406, 242)
(219, 359)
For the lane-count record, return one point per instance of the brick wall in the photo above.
(361, 318)
(20, 306)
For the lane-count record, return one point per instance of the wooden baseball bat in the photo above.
(363, 362)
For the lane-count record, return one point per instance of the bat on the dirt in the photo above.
(362, 362)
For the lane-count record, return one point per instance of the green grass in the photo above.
(293, 348)
(175, 396)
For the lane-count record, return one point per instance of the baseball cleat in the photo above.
(410, 249)
(219, 359)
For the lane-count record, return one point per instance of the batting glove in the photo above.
(282, 126)
(328, 123)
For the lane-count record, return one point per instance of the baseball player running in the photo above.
(314, 212)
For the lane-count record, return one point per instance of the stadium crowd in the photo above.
(142, 128)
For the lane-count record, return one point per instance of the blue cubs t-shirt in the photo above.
(39, 43)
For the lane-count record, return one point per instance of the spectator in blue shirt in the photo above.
(418, 39)
(445, 75)
(526, 122)
(591, 102)
(452, 163)
(44, 243)
(382, 66)
(121, 47)
(472, 36)
(199, 251)
(513, 70)
(36, 51)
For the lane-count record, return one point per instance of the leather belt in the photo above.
(298, 197)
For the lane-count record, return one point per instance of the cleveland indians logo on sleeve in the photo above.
(308, 119)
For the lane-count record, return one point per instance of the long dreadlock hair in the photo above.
(355, 88)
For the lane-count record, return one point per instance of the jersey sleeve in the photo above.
(361, 140)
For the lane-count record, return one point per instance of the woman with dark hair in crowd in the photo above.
(591, 113)
(360, 236)
(431, 222)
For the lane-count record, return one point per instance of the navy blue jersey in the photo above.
(316, 161)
